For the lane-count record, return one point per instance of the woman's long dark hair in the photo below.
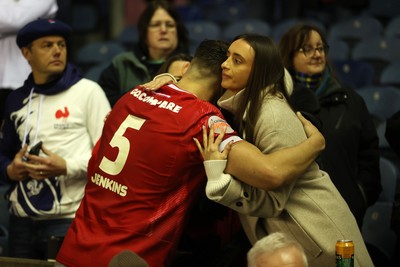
(267, 70)
(145, 18)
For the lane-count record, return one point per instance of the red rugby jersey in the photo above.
(144, 175)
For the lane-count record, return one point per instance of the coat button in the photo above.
(239, 204)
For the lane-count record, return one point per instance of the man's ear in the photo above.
(26, 52)
(185, 67)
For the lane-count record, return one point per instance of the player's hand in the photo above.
(210, 150)
(158, 82)
(312, 131)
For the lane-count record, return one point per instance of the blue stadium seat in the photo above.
(382, 102)
(129, 36)
(97, 52)
(190, 12)
(383, 143)
(201, 30)
(391, 74)
(94, 72)
(84, 18)
(377, 232)
(355, 29)
(390, 177)
(384, 9)
(246, 26)
(224, 12)
(379, 51)
(354, 73)
(392, 29)
(377, 224)
(338, 49)
(377, 48)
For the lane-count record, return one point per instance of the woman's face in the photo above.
(236, 69)
(312, 59)
(162, 33)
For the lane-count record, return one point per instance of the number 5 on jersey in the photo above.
(123, 144)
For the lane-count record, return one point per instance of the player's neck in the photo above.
(198, 88)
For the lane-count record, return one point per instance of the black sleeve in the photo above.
(392, 133)
(109, 81)
(368, 156)
(306, 101)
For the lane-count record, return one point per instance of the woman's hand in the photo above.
(159, 81)
(211, 145)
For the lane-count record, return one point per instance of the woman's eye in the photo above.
(308, 49)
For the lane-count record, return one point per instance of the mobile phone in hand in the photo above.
(34, 150)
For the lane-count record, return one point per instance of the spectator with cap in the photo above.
(57, 106)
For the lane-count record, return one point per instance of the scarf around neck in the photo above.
(308, 81)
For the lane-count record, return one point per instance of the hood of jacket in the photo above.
(69, 77)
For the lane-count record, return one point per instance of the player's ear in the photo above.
(185, 67)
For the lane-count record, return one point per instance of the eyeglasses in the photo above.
(309, 51)
(158, 24)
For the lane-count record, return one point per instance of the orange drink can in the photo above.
(344, 253)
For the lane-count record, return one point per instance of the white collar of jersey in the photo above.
(173, 86)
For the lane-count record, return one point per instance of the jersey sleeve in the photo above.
(219, 123)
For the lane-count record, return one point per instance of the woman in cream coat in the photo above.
(310, 209)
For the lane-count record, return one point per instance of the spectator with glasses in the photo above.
(161, 34)
(351, 156)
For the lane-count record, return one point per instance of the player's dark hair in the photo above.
(210, 54)
(171, 59)
(208, 58)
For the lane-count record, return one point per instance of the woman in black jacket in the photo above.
(352, 154)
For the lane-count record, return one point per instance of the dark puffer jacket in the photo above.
(352, 154)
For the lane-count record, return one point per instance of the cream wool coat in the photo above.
(310, 209)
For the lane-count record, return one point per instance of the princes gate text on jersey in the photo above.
(142, 96)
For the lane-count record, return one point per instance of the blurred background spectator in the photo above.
(161, 34)
(13, 16)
